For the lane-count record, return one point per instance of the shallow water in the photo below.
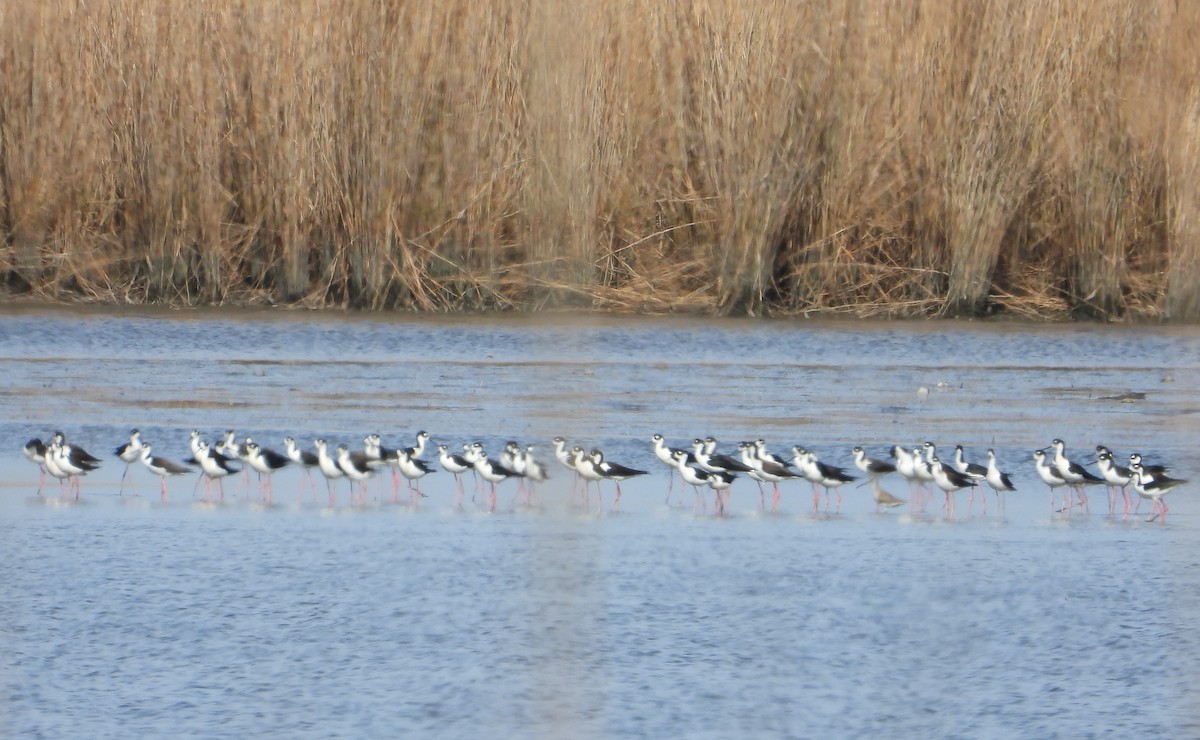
(126, 615)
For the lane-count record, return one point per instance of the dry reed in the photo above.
(875, 159)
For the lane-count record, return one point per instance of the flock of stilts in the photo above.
(701, 467)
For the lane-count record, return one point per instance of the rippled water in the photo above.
(125, 616)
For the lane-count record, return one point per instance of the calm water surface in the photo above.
(125, 615)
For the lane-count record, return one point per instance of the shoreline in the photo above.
(23, 303)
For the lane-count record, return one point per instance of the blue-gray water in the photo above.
(126, 616)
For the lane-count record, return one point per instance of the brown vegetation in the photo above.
(868, 158)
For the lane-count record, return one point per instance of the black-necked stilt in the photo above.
(1048, 474)
(130, 452)
(765, 471)
(694, 477)
(228, 446)
(472, 451)
(585, 467)
(562, 454)
(950, 481)
(1117, 477)
(229, 449)
(455, 465)
(513, 458)
(906, 466)
(305, 459)
(357, 467)
(872, 467)
(493, 473)
(243, 457)
(214, 466)
(328, 467)
(975, 472)
(614, 472)
(720, 482)
(1074, 474)
(75, 453)
(1151, 470)
(818, 473)
(35, 452)
(715, 462)
(665, 455)
(413, 470)
(265, 462)
(160, 466)
(1154, 488)
(379, 455)
(50, 465)
(997, 481)
(535, 472)
(71, 460)
(923, 470)
(194, 443)
(566, 458)
(761, 453)
(419, 448)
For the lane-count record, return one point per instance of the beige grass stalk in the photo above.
(1000, 89)
(1183, 283)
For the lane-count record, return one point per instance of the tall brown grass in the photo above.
(905, 159)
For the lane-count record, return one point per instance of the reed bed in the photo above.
(876, 159)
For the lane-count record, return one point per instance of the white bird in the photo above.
(160, 466)
(265, 462)
(493, 473)
(1154, 488)
(1117, 477)
(949, 480)
(997, 481)
(357, 467)
(130, 452)
(975, 472)
(328, 467)
(214, 466)
(1073, 473)
(35, 452)
(413, 470)
(455, 465)
(1048, 474)
(306, 460)
(666, 455)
